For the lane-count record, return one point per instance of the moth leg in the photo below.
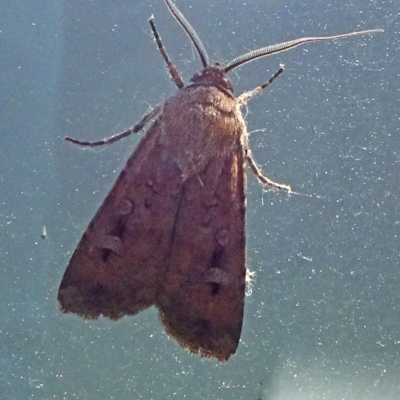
(242, 100)
(173, 71)
(245, 97)
(262, 178)
(136, 128)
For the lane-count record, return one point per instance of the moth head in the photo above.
(213, 75)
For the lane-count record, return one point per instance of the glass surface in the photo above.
(322, 321)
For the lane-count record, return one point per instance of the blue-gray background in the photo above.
(322, 321)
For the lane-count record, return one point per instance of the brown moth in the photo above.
(171, 231)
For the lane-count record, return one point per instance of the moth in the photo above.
(171, 231)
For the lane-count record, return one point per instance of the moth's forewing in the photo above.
(202, 296)
(117, 265)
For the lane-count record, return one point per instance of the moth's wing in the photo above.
(116, 267)
(202, 298)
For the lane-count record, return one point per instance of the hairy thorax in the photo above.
(201, 121)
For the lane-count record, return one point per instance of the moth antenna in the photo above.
(201, 50)
(277, 48)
